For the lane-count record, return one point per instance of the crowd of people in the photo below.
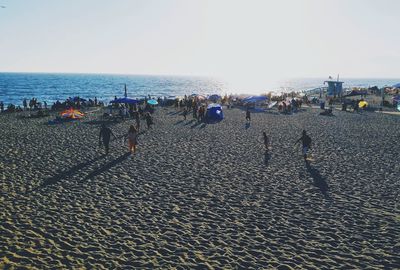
(34, 105)
(290, 106)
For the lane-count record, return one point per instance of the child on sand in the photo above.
(185, 112)
(248, 117)
(306, 142)
(132, 139)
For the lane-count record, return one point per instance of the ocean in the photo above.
(50, 87)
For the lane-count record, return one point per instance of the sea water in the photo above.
(50, 87)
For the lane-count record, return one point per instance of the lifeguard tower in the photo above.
(335, 88)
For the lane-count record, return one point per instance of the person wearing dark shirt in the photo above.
(105, 136)
(149, 120)
(266, 141)
(248, 117)
(306, 143)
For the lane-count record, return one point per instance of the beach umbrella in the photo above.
(125, 100)
(362, 104)
(199, 97)
(72, 114)
(152, 102)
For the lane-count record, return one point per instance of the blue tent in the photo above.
(397, 85)
(255, 99)
(214, 112)
(125, 100)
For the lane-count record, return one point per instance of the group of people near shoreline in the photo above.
(34, 105)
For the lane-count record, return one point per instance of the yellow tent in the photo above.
(362, 104)
(72, 114)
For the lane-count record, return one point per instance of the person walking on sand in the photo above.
(105, 135)
(149, 120)
(185, 112)
(306, 142)
(25, 103)
(248, 116)
(136, 116)
(194, 111)
(266, 141)
(132, 138)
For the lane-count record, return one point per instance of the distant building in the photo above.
(335, 88)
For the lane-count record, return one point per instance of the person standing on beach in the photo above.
(132, 139)
(105, 135)
(25, 103)
(195, 111)
(185, 112)
(248, 116)
(149, 120)
(266, 141)
(306, 142)
(136, 116)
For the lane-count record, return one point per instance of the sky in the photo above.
(249, 41)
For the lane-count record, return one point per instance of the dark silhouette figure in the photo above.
(266, 141)
(248, 115)
(105, 136)
(185, 112)
(306, 142)
(149, 120)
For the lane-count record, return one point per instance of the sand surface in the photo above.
(202, 196)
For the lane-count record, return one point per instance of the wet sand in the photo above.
(202, 196)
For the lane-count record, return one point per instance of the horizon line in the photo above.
(175, 75)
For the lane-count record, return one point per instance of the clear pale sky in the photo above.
(240, 40)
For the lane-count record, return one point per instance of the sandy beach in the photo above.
(202, 196)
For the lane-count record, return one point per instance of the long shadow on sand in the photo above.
(173, 113)
(318, 180)
(179, 122)
(195, 124)
(190, 122)
(65, 174)
(107, 166)
(267, 157)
